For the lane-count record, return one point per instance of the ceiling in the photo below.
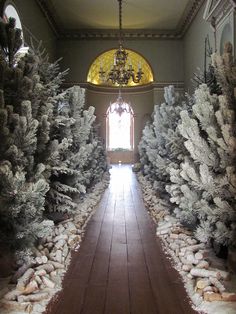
(99, 17)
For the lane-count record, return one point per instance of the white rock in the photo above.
(174, 236)
(49, 283)
(38, 260)
(186, 267)
(73, 239)
(59, 244)
(44, 259)
(203, 264)
(65, 250)
(12, 295)
(40, 272)
(57, 265)
(70, 227)
(49, 245)
(31, 287)
(60, 237)
(38, 280)
(48, 267)
(58, 256)
(25, 279)
(189, 276)
(40, 247)
(53, 273)
(198, 255)
(36, 297)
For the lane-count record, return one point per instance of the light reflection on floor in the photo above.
(121, 175)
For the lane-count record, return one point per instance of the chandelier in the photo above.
(120, 72)
(120, 106)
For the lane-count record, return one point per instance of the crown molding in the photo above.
(188, 16)
(112, 34)
(50, 15)
(218, 9)
(179, 85)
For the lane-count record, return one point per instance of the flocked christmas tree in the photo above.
(22, 189)
(161, 145)
(202, 175)
(73, 171)
(47, 143)
(205, 188)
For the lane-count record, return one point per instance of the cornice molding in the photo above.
(49, 13)
(188, 16)
(113, 34)
(179, 85)
(108, 34)
(218, 9)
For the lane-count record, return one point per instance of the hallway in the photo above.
(120, 267)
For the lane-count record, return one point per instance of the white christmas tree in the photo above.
(161, 145)
(48, 144)
(204, 184)
(81, 160)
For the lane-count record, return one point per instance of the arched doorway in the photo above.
(120, 131)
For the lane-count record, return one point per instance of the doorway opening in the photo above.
(120, 132)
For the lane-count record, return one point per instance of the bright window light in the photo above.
(10, 11)
(120, 127)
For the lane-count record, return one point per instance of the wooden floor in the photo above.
(120, 267)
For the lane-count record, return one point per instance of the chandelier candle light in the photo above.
(120, 106)
(120, 72)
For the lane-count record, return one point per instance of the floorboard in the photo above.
(120, 267)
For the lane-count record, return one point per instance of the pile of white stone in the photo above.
(206, 279)
(36, 281)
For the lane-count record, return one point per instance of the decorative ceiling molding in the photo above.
(49, 13)
(188, 16)
(179, 85)
(112, 34)
(218, 9)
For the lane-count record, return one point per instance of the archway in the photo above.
(10, 11)
(120, 132)
(106, 60)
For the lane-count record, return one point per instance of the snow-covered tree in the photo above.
(161, 145)
(189, 150)
(22, 191)
(47, 143)
(82, 162)
(203, 186)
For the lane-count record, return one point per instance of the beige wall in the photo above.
(194, 42)
(141, 103)
(194, 47)
(35, 25)
(164, 56)
(171, 60)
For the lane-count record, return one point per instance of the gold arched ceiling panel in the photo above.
(106, 60)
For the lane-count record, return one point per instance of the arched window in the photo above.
(120, 126)
(10, 11)
(106, 61)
